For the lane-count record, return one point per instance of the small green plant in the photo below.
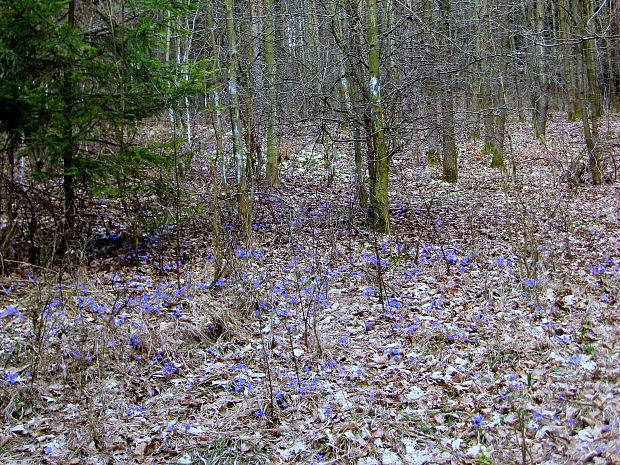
(433, 157)
(225, 452)
(483, 458)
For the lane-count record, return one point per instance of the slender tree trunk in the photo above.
(270, 85)
(568, 62)
(493, 94)
(540, 98)
(450, 152)
(517, 85)
(497, 158)
(217, 112)
(254, 157)
(348, 97)
(394, 73)
(239, 154)
(590, 112)
(487, 105)
(68, 152)
(218, 162)
(432, 115)
(171, 117)
(186, 51)
(380, 205)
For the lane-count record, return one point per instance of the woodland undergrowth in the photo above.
(485, 330)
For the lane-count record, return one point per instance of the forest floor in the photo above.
(497, 341)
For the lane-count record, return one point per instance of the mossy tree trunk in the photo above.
(450, 151)
(492, 90)
(380, 171)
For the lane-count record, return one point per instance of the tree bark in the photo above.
(540, 99)
(590, 112)
(68, 151)
(270, 87)
(239, 153)
(379, 199)
(450, 152)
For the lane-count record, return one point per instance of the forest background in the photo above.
(270, 230)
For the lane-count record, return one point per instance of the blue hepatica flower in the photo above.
(393, 303)
(436, 303)
(9, 311)
(169, 368)
(451, 256)
(477, 420)
(514, 383)
(412, 273)
(243, 383)
(12, 378)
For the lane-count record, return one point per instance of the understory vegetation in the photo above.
(361, 232)
(485, 330)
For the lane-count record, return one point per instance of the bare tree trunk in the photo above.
(239, 153)
(568, 62)
(270, 85)
(218, 161)
(540, 99)
(68, 152)
(590, 112)
(217, 112)
(450, 152)
(349, 97)
(379, 200)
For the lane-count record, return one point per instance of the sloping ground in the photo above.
(496, 340)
